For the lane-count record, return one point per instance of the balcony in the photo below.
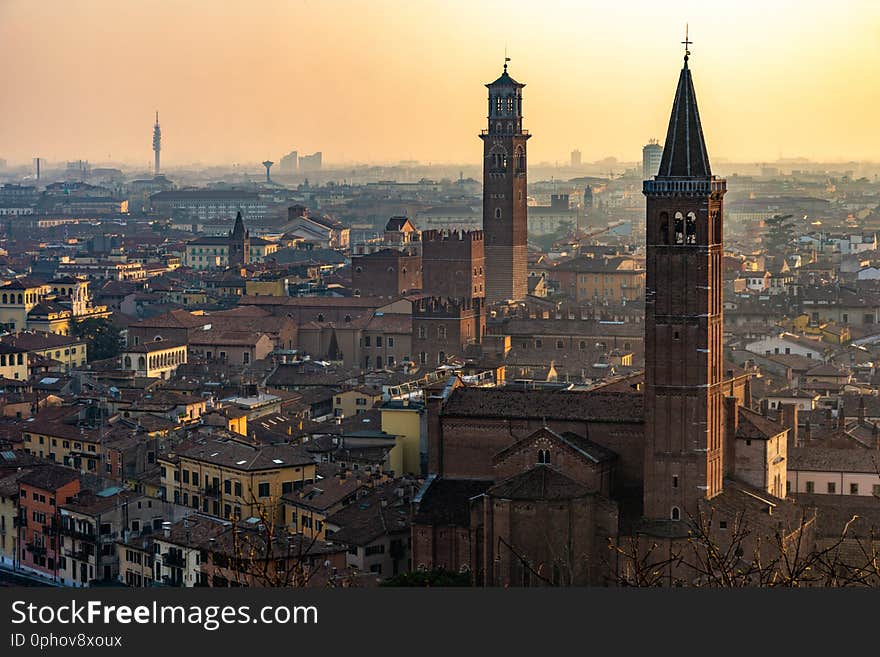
(79, 555)
(81, 535)
(174, 559)
(38, 550)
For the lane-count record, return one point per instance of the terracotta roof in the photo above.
(754, 426)
(834, 459)
(548, 404)
(447, 501)
(541, 482)
(241, 455)
(50, 477)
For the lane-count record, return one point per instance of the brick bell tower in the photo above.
(505, 215)
(683, 319)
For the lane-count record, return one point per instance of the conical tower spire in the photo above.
(684, 154)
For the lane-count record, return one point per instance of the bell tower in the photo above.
(683, 319)
(505, 214)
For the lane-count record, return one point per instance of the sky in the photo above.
(386, 80)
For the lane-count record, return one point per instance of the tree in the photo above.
(101, 335)
(433, 577)
(780, 231)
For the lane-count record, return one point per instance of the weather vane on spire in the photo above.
(686, 43)
(506, 59)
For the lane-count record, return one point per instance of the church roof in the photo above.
(685, 155)
(541, 482)
(238, 229)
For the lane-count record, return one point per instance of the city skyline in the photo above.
(334, 86)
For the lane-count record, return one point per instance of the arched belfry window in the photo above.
(664, 228)
(544, 456)
(511, 104)
(679, 228)
(676, 514)
(691, 228)
(498, 157)
(499, 105)
(520, 160)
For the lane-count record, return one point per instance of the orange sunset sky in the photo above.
(384, 80)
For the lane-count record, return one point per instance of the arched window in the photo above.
(676, 514)
(679, 228)
(519, 163)
(498, 158)
(320, 317)
(128, 362)
(158, 338)
(664, 228)
(5, 299)
(691, 228)
(544, 456)
(142, 363)
(498, 213)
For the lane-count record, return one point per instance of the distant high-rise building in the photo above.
(311, 162)
(289, 162)
(575, 158)
(505, 213)
(652, 153)
(157, 144)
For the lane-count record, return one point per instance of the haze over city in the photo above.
(390, 80)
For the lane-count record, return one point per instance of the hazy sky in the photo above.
(383, 80)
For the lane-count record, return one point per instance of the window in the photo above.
(832, 487)
(238, 489)
(227, 487)
(853, 489)
(263, 489)
(722, 524)
(676, 514)
(544, 456)
(390, 342)
(186, 476)
(875, 490)
(441, 332)
(811, 487)
(560, 344)
(675, 481)
(366, 340)
(286, 487)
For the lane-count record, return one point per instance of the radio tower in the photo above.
(157, 143)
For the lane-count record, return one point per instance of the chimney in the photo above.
(790, 421)
(765, 407)
(166, 529)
